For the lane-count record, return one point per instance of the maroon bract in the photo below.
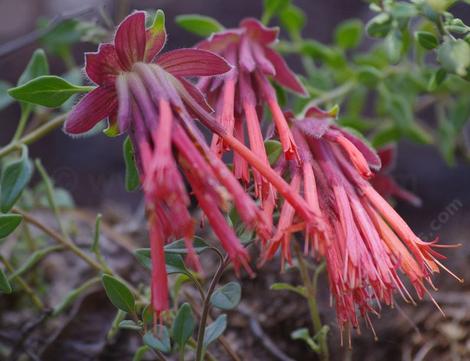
(240, 95)
(145, 94)
(366, 242)
(384, 183)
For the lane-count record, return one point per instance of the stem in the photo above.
(312, 303)
(22, 123)
(50, 196)
(33, 136)
(205, 309)
(34, 297)
(62, 240)
(331, 95)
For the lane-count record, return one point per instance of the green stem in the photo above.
(206, 308)
(312, 304)
(33, 136)
(22, 123)
(50, 196)
(34, 297)
(332, 94)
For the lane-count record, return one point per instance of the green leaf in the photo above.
(129, 325)
(179, 246)
(8, 223)
(37, 66)
(386, 136)
(369, 75)
(288, 287)
(215, 329)
(161, 341)
(273, 150)
(304, 335)
(174, 262)
(199, 24)
(394, 45)
(436, 79)
(5, 286)
(15, 177)
(403, 10)
(140, 353)
(379, 26)
(348, 34)
(5, 99)
(273, 8)
(454, 55)
(183, 325)
(118, 293)
(426, 39)
(48, 90)
(132, 174)
(293, 19)
(227, 297)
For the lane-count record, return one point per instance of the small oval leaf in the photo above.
(15, 177)
(215, 329)
(183, 325)
(118, 293)
(227, 297)
(161, 341)
(179, 246)
(426, 40)
(8, 223)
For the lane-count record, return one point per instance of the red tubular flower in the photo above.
(145, 95)
(366, 242)
(239, 96)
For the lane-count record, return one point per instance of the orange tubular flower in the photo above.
(366, 243)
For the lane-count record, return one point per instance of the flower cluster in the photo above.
(330, 197)
(366, 243)
(239, 96)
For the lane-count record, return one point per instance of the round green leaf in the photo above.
(227, 297)
(8, 223)
(15, 177)
(379, 26)
(215, 329)
(426, 39)
(348, 34)
(183, 325)
(454, 55)
(118, 293)
(179, 246)
(160, 341)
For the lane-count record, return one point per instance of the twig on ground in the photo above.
(258, 331)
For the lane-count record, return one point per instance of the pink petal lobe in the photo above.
(103, 66)
(130, 39)
(219, 41)
(193, 62)
(259, 32)
(93, 107)
(284, 75)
